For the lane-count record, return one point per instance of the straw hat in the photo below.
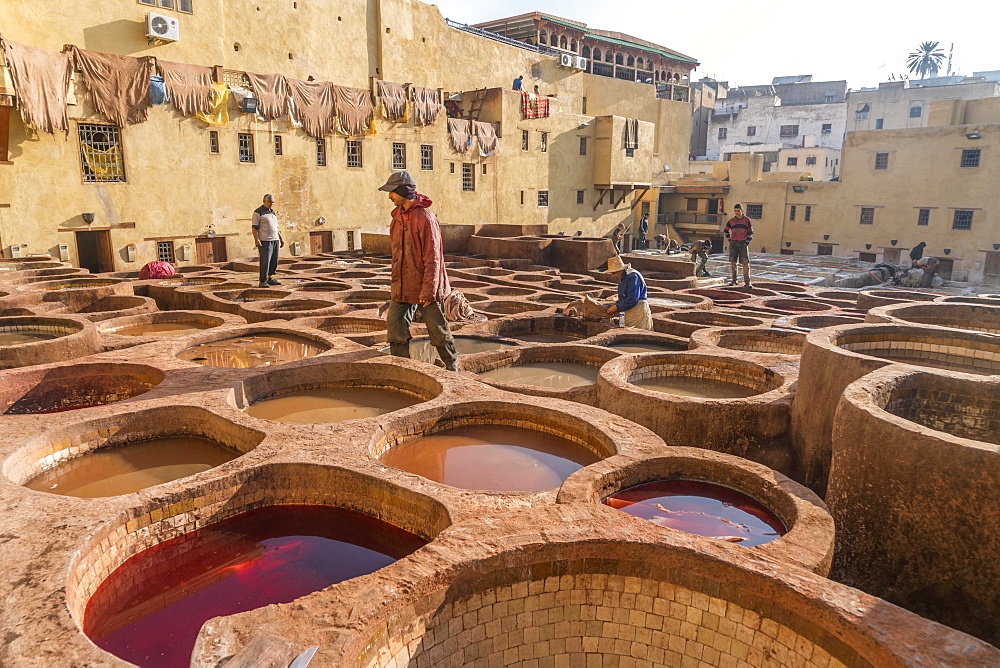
(615, 264)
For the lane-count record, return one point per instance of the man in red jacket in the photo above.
(418, 274)
(739, 231)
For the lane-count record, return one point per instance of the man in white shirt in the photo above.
(268, 239)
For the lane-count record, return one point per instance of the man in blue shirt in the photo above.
(517, 82)
(631, 295)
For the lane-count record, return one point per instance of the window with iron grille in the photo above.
(792, 162)
(751, 130)
(583, 146)
(354, 156)
(426, 157)
(545, 142)
(827, 127)
(101, 153)
(468, 176)
(580, 194)
(881, 161)
(165, 251)
(246, 147)
(789, 131)
(723, 132)
(321, 153)
(811, 160)
(543, 198)
(755, 211)
(279, 146)
(962, 219)
(824, 249)
(867, 215)
(213, 141)
(924, 217)
(350, 240)
(524, 140)
(451, 168)
(236, 78)
(398, 155)
(916, 112)
(970, 157)
(809, 214)
(692, 204)
(791, 213)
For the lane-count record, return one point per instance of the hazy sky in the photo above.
(748, 42)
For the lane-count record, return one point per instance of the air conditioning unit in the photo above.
(580, 63)
(566, 60)
(296, 248)
(162, 28)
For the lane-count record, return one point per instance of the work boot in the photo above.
(263, 285)
(449, 356)
(746, 276)
(399, 349)
(273, 281)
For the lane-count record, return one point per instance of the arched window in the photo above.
(609, 57)
(631, 61)
(572, 45)
(677, 77)
(619, 59)
(563, 42)
(669, 76)
(638, 63)
(543, 38)
(597, 53)
(649, 65)
(586, 52)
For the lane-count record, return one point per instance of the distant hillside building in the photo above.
(904, 104)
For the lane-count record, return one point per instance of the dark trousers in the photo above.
(397, 323)
(268, 251)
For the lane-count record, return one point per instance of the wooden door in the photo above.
(211, 250)
(320, 242)
(93, 249)
(891, 256)
(991, 272)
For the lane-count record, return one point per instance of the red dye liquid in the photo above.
(701, 508)
(150, 609)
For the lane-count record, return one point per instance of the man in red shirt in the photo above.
(739, 232)
(418, 274)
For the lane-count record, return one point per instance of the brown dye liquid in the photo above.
(162, 328)
(933, 364)
(549, 337)
(330, 404)
(690, 386)
(641, 347)
(128, 468)
(17, 338)
(421, 349)
(557, 375)
(492, 457)
(252, 351)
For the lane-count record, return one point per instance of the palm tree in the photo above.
(926, 59)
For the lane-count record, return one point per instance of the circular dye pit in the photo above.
(549, 337)
(693, 386)
(640, 347)
(701, 508)
(554, 375)
(74, 387)
(664, 301)
(330, 404)
(150, 609)
(253, 350)
(127, 468)
(163, 328)
(421, 349)
(10, 336)
(491, 458)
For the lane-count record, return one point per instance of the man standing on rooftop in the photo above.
(268, 239)
(419, 280)
(517, 82)
(739, 231)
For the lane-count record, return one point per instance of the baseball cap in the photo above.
(397, 179)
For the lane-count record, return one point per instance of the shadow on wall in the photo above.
(108, 37)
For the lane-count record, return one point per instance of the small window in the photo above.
(789, 131)
(723, 133)
(484, 169)
(451, 168)
(866, 257)
(580, 195)
(321, 153)
(524, 140)
(468, 176)
(861, 113)
(827, 128)
(751, 130)
(630, 153)
(583, 146)
(824, 249)
(879, 123)
(924, 217)
(350, 240)
(545, 142)
(213, 141)
(791, 212)
(398, 155)
(867, 215)
(151, 3)
(543, 198)
(692, 204)
(165, 251)
(246, 147)
(186, 6)
(916, 112)
(792, 162)
(970, 157)
(962, 220)
(355, 157)
(881, 161)
(522, 197)
(426, 157)
(279, 145)
(101, 153)
(755, 211)
(167, 4)
(811, 160)
(809, 214)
